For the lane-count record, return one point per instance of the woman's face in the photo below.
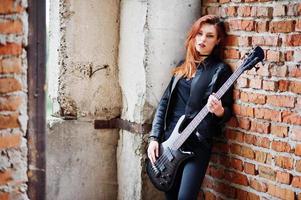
(206, 39)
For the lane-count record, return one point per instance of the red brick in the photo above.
(293, 10)
(281, 146)
(5, 177)
(10, 65)
(208, 196)
(253, 98)
(216, 172)
(283, 85)
(255, 83)
(244, 123)
(286, 26)
(289, 55)
(281, 101)
(230, 11)
(241, 194)
(283, 177)
(244, 41)
(273, 56)
(10, 6)
(298, 103)
(10, 49)
(262, 26)
(245, 25)
(242, 82)
(225, 189)
(291, 118)
(220, 148)
(4, 196)
(298, 149)
(269, 85)
(267, 172)
(267, 114)
(11, 27)
(263, 142)
(231, 54)
(213, 10)
(284, 162)
(296, 182)
(250, 139)
(11, 103)
(296, 133)
(10, 141)
(234, 135)
(279, 10)
(233, 122)
(244, 11)
(9, 121)
(237, 178)
(266, 40)
(280, 131)
(295, 71)
(247, 152)
(249, 168)
(236, 94)
(298, 166)
(236, 164)
(262, 11)
(298, 25)
(260, 127)
(280, 71)
(9, 85)
(243, 110)
(295, 87)
(261, 156)
(280, 192)
(293, 40)
(231, 40)
(259, 186)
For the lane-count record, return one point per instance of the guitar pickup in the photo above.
(162, 167)
(169, 155)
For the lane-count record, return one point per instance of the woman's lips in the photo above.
(202, 45)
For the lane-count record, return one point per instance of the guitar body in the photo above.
(162, 174)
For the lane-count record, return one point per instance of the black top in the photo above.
(177, 107)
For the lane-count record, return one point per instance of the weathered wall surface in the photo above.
(152, 37)
(260, 156)
(13, 99)
(81, 161)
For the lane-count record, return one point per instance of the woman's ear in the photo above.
(218, 41)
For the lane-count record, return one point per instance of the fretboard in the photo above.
(202, 114)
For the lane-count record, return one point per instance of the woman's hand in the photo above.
(153, 151)
(215, 106)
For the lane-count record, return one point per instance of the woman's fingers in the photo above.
(153, 151)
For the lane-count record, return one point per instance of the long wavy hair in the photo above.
(188, 68)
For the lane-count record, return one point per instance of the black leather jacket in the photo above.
(214, 74)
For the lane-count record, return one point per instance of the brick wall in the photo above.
(260, 155)
(13, 99)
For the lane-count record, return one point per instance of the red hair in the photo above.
(188, 68)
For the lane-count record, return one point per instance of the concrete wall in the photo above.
(152, 35)
(81, 161)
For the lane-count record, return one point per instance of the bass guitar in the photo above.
(162, 173)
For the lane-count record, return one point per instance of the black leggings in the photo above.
(190, 176)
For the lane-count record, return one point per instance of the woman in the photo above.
(191, 88)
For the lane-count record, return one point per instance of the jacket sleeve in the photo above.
(158, 122)
(227, 98)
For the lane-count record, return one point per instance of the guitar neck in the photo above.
(202, 114)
